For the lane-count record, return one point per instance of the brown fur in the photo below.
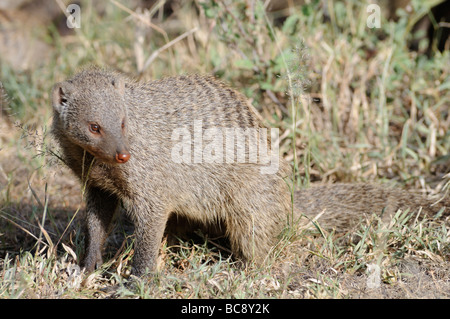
(248, 207)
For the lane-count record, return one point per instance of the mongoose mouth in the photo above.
(120, 157)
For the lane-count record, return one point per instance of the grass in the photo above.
(352, 104)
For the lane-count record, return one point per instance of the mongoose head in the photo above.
(90, 111)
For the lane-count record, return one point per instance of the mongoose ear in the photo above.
(119, 84)
(60, 94)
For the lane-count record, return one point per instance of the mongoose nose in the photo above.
(122, 157)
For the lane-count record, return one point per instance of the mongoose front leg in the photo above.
(149, 223)
(100, 209)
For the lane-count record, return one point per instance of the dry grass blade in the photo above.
(155, 54)
(140, 18)
(20, 227)
(70, 251)
(49, 244)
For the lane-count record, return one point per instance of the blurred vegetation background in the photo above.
(365, 105)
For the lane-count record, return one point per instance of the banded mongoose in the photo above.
(117, 136)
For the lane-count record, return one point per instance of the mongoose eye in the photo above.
(123, 124)
(94, 128)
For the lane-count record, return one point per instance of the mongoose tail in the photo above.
(346, 204)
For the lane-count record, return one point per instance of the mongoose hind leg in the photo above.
(249, 242)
